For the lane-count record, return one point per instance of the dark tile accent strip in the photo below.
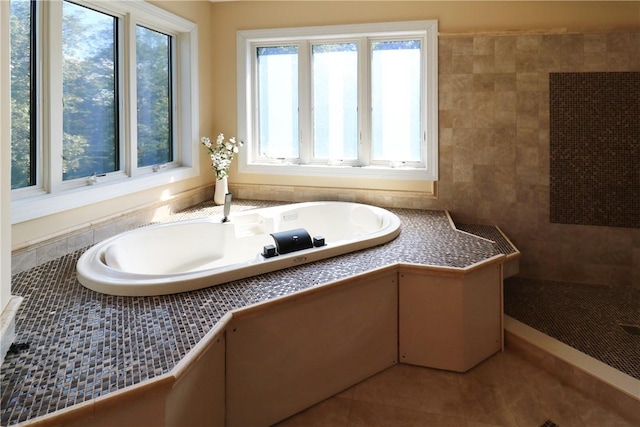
(595, 148)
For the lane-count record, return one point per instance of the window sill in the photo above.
(43, 204)
(367, 172)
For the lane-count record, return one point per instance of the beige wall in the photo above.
(470, 199)
(453, 17)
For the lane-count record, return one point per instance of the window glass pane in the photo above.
(395, 98)
(90, 135)
(278, 101)
(22, 95)
(153, 57)
(335, 101)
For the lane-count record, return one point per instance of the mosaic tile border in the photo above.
(594, 148)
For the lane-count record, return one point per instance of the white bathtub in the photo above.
(194, 254)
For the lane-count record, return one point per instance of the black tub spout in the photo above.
(292, 240)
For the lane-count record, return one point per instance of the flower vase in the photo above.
(222, 188)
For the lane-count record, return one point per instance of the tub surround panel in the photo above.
(595, 148)
(448, 322)
(199, 392)
(330, 341)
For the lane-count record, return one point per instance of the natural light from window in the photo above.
(353, 100)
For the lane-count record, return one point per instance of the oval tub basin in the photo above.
(194, 254)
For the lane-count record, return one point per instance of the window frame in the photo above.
(246, 43)
(51, 194)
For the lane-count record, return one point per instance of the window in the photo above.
(357, 100)
(102, 101)
(154, 80)
(89, 92)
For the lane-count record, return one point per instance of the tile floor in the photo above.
(504, 390)
(598, 320)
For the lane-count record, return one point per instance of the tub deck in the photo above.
(81, 344)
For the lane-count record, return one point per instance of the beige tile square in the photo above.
(505, 45)
(51, 251)
(423, 389)
(504, 82)
(331, 412)
(526, 63)
(463, 100)
(527, 82)
(462, 46)
(463, 173)
(595, 43)
(462, 64)
(462, 119)
(504, 63)
(483, 45)
(483, 82)
(483, 64)
(619, 42)
(528, 44)
(372, 415)
(572, 43)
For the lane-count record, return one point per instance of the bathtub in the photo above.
(194, 254)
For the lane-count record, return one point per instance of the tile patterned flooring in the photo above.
(597, 320)
(505, 390)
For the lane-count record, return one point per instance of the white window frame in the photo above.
(249, 160)
(51, 194)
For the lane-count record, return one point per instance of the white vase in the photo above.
(222, 188)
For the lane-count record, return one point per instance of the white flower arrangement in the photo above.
(221, 153)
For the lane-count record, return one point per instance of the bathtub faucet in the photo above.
(227, 207)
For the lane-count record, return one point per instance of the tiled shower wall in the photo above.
(494, 136)
(494, 147)
(494, 151)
